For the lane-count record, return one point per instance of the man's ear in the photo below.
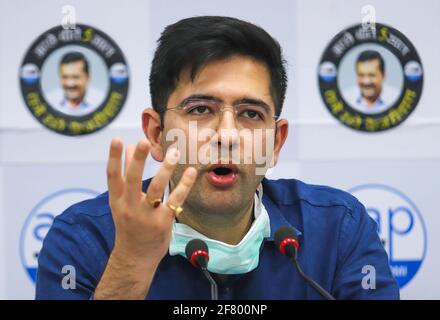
(151, 125)
(282, 129)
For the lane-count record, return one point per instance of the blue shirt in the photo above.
(337, 240)
(82, 109)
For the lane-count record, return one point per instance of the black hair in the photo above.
(73, 57)
(193, 42)
(372, 55)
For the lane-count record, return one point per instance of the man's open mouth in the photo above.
(222, 175)
(222, 171)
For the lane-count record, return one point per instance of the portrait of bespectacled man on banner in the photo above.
(76, 82)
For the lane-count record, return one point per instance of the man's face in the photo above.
(370, 78)
(74, 80)
(229, 80)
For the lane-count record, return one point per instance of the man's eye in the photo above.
(251, 114)
(199, 110)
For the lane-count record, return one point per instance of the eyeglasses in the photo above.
(207, 113)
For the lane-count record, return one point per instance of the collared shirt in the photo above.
(91, 101)
(338, 239)
(387, 97)
(82, 109)
(376, 107)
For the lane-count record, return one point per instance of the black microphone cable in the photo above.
(286, 241)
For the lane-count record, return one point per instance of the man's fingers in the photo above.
(161, 179)
(129, 152)
(179, 194)
(135, 170)
(115, 182)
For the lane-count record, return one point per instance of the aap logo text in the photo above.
(400, 226)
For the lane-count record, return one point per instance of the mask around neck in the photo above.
(225, 258)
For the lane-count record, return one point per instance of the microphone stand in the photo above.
(214, 288)
(307, 279)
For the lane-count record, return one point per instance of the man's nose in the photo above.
(366, 82)
(227, 128)
(70, 83)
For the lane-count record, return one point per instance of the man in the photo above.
(225, 76)
(74, 80)
(371, 96)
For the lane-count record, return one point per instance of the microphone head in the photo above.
(285, 237)
(197, 253)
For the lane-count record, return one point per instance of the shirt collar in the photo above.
(276, 217)
(379, 101)
(84, 104)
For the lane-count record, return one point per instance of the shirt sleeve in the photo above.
(363, 270)
(67, 264)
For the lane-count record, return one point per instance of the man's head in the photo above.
(229, 61)
(74, 74)
(370, 70)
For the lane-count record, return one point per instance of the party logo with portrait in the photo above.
(370, 77)
(74, 81)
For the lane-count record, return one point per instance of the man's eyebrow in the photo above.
(201, 97)
(255, 102)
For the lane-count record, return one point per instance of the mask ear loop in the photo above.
(260, 192)
(260, 206)
(260, 201)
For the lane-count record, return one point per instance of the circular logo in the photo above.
(370, 77)
(400, 226)
(40, 220)
(74, 81)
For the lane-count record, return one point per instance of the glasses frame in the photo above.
(181, 106)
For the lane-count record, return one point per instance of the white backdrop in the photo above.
(36, 163)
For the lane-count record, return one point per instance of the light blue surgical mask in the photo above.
(225, 258)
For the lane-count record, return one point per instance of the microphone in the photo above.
(286, 241)
(197, 253)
